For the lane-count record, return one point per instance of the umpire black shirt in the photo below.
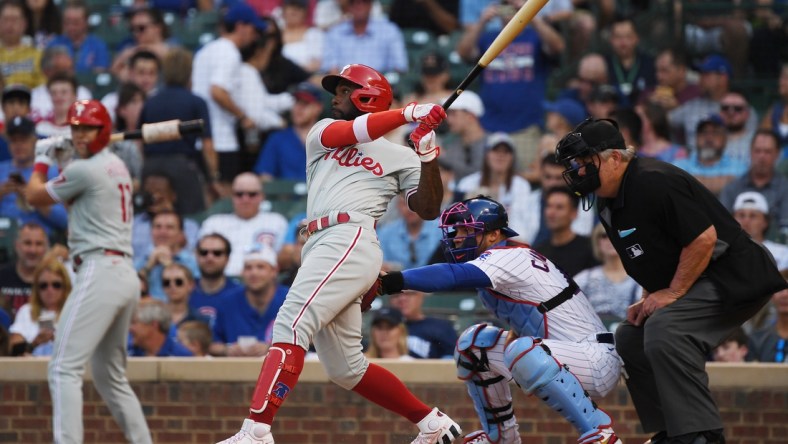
(659, 210)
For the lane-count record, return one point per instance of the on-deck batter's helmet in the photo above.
(375, 94)
(478, 215)
(92, 113)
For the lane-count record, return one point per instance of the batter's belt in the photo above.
(336, 218)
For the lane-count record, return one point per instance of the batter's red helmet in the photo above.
(375, 94)
(92, 113)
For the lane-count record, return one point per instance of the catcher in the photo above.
(557, 348)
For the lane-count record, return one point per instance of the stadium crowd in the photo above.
(218, 215)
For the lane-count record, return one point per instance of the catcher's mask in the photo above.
(475, 216)
(580, 150)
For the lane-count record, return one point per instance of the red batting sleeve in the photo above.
(344, 133)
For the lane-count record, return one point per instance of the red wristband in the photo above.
(41, 168)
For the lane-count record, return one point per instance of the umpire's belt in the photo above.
(106, 252)
(336, 218)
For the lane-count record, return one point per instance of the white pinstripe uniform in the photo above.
(521, 280)
(340, 263)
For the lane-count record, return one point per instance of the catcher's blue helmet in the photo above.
(478, 215)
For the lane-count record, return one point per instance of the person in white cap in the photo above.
(464, 146)
(751, 211)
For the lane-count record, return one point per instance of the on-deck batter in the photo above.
(95, 321)
(352, 174)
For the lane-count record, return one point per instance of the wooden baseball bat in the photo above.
(161, 131)
(515, 26)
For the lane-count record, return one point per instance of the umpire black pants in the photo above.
(666, 359)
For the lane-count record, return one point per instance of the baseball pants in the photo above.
(94, 325)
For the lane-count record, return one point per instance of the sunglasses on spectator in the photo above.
(177, 281)
(44, 285)
(734, 108)
(139, 28)
(240, 194)
(215, 253)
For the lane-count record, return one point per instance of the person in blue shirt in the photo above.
(150, 331)
(284, 153)
(428, 337)
(90, 53)
(408, 241)
(245, 317)
(213, 253)
(14, 175)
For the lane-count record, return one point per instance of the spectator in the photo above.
(464, 147)
(181, 159)
(736, 114)
(608, 287)
(733, 349)
(131, 98)
(289, 257)
(709, 163)
(751, 211)
(149, 33)
(196, 336)
(55, 61)
(33, 330)
(763, 178)
(16, 278)
(215, 78)
(563, 115)
(280, 74)
(433, 85)
(776, 118)
(150, 331)
(89, 52)
(20, 62)
(409, 241)
(530, 217)
(44, 21)
(302, 43)
(168, 246)
(715, 74)
(284, 153)
(14, 175)
(428, 337)
(591, 72)
(15, 102)
(498, 177)
(602, 102)
(329, 13)
(655, 137)
(250, 310)
(247, 224)
(213, 253)
(144, 68)
(178, 284)
(62, 88)
(388, 336)
(720, 30)
(521, 70)
(157, 196)
(436, 16)
(631, 70)
(567, 249)
(768, 344)
(375, 42)
(672, 88)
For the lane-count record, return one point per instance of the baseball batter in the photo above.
(352, 174)
(95, 321)
(557, 348)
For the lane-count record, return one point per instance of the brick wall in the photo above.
(204, 409)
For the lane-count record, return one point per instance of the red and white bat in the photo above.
(161, 131)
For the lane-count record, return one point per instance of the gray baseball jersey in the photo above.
(98, 193)
(361, 178)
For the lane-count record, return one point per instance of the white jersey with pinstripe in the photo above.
(526, 276)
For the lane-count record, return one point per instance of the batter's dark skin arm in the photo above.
(426, 202)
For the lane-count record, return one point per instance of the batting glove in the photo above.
(423, 139)
(54, 150)
(428, 114)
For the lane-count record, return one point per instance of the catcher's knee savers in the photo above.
(536, 371)
(269, 388)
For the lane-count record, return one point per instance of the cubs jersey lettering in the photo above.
(521, 279)
(357, 171)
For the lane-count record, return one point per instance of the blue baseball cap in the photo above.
(569, 109)
(388, 314)
(241, 12)
(713, 119)
(308, 92)
(717, 64)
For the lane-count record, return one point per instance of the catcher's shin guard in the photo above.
(278, 376)
(538, 373)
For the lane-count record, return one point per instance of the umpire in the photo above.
(702, 276)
